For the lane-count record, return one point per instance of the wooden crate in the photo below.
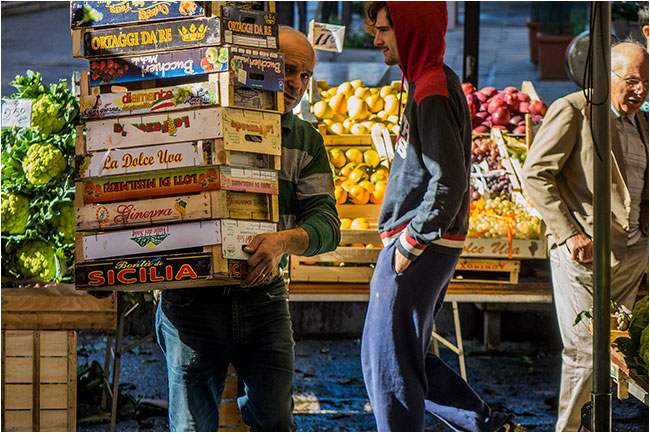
(167, 210)
(55, 306)
(39, 380)
(173, 270)
(505, 249)
(241, 130)
(368, 211)
(185, 155)
(229, 414)
(474, 270)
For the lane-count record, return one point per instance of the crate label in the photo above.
(141, 159)
(139, 270)
(236, 234)
(252, 131)
(148, 100)
(152, 37)
(104, 13)
(180, 63)
(151, 239)
(517, 248)
(163, 128)
(16, 113)
(249, 180)
(244, 97)
(250, 28)
(256, 69)
(142, 212)
(128, 187)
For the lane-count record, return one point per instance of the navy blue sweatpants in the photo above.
(401, 376)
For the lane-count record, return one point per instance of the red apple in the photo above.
(489, 91)
(524, 107)
(510, 89)
(482, 97)
(536, 117)
(483, 107)
(501, 127)
(537, 107)
(523, 97)
(482, 115)
(519, 130)
(481, 130)
(495, 104)
(516, 119)
(468, 88)
(501, 116)
(512, 101)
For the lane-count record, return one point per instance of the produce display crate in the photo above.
(628, 381)
(39, 380)
(504, 248)
(229, 414)
(55, 306)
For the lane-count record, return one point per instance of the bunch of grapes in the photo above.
(483, 148)
(499, 185)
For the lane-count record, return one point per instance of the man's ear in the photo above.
(646, 31)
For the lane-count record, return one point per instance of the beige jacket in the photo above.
(558, 175)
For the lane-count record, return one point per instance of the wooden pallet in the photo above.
(167, 210)
(55, 306)
(39, 380)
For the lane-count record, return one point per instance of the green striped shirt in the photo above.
(306, 187)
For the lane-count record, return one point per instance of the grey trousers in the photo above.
(573, 292)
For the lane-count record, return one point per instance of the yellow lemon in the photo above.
(323, 110)
(371, 157)
(375, 103)
(339, 104)
(359, 224)
(357, 83)
(357, 108)
(359, 129)
(385, 91)
(345, 89)
(337, 157)
(362, 92)
(345, 223)
(354, 155)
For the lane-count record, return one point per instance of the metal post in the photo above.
(601, 396)
(470, 42)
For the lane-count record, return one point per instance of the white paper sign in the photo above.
(236, 233)
(16, 112)
(327, 37)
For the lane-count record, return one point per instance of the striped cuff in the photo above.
(408, 246)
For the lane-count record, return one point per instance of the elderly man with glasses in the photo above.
(558, 175)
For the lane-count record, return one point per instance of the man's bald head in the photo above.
(299, 63)
(629, 77)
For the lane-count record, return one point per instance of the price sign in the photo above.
(326, 37)
(16, 112)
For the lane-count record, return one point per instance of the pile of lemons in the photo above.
(359, 177)
(353, 108)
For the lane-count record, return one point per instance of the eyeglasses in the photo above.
(633, 82)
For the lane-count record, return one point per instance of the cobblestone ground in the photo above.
(330, 395)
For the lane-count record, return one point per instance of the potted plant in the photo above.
(534, 25)
(561, 21)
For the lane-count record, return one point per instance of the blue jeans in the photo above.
(401, 376)
(200, 331)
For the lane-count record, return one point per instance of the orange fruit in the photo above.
(369, 186)
(340, 194)
(359, 195)
(357, 245)
(345, 223)
(347, 169)
(371, 157)
(358, 175)
(377, 195)
(378, 176)
(383, 170)
(347, 185)
(359, 224)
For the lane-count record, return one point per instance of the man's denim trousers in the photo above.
(201, 330)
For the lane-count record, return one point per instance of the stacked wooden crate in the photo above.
(178, 168)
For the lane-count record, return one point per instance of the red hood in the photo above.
(420, 29)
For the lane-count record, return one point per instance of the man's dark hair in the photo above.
(372, 9)
(643, 16)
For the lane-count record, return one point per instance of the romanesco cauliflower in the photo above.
(639, 319)
(47, 115)
(36, 260)
(15, 213)
(43, 163)
(64, 220)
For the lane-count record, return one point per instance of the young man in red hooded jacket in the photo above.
(423, 223)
